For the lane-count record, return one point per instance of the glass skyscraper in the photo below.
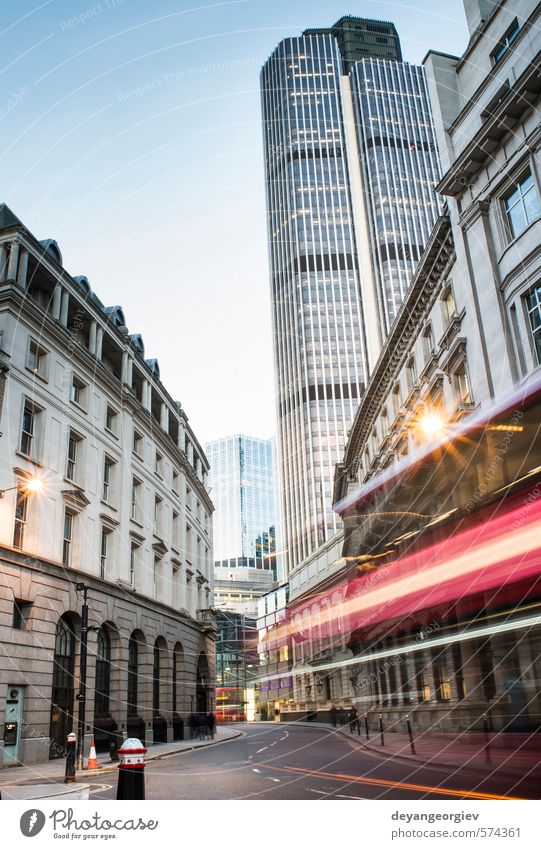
(242, 480)
(350, 163)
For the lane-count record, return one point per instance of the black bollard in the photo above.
(366, 726)
(410, 734)
(71, 749)
(487, 739)
(131, 770)
(381, 729)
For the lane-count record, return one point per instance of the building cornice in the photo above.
(433, 267)
(521, 95)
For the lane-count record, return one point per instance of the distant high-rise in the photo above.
(351, 163)
(242, 478)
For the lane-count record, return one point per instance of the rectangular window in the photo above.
(176, 584)
(157, 514)
(428, 342)
(135, 496)
(448, 305)
(111, 417)
(462, 387)
(21, 505)
(77, 392)
(134, 555)
(37, 359)
(158, 464)
(506, 42)
(411, 372)
(104, 548)
(188, 498)
(108, 475)
(68, 538)
(176, 539)
(396, 399)
(522, 205)
(137, 444)
(175, 483)
(533, 306)
(73, 447)
(28, 430)
(21, 614)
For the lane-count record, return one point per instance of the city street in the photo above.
(274, 761)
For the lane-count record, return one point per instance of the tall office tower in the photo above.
(350, 167)
(242, 478)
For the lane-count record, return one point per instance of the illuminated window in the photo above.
(448, 304)
(67, 541)
(462, 386)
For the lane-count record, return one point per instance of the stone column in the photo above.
(13, 261)
(124, 373)
(23, 269)
(147, 394)
(164, 416)
(57, 301)
(64, 308)
(99, 342)
(130, 371)
(3, 260)
(93, 337)
(181, 439)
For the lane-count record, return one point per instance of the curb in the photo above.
(411, 759)
(112, 767)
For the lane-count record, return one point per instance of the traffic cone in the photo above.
(92, 759)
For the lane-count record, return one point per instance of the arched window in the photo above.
(62, 690)
(156, 680)
(133, 676)
(103, 675)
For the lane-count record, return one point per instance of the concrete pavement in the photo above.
(514, 755)
(54, 770)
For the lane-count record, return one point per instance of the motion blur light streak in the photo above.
(448, 639)
(491, 555)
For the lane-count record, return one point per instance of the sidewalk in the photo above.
(54, 770)
(453, 751)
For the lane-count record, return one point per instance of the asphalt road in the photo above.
(274, 761)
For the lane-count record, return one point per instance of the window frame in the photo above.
(67, 541)
(505, 42)
(534, 333)
(20, 521)
(42, 354)
(516, 189)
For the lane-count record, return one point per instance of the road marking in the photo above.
(261, 750)
(255, 770)
(321, 792)
(341, 796)
(99, 788)
(397, 785)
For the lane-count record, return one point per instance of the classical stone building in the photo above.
(429, 605)
(122, 510)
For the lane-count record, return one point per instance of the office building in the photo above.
(351, 162)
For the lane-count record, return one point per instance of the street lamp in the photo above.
(431, 423)
(31, 484)
(319, 686)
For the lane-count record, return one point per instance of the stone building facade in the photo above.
(461, 359)
(123, 510)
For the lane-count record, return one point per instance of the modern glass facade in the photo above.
(333, 294)
(397, 146)
(242, 479)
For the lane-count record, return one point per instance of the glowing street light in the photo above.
(30, 485)
(431, 423)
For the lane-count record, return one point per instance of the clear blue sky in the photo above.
(131, 134)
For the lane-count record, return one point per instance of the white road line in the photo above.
(255, 770)
(321, 792)
(261, 750)
(340, 796)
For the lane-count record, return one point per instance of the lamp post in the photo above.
(31, 484)
(81, 695)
